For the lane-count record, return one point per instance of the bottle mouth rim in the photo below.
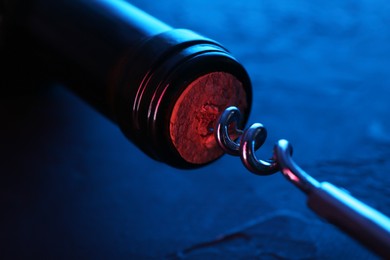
(197, 68)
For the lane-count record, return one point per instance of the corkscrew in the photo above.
(365, 224)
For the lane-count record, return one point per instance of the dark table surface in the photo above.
(72, 186)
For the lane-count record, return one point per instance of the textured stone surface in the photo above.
(71, 186)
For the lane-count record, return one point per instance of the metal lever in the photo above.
(365, 224)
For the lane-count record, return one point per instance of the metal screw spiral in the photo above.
(250, 140)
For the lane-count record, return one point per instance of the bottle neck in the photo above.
(152, 102)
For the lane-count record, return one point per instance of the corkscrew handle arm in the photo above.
(365, 224)
(360, 221)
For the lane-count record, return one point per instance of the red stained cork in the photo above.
(196, 111)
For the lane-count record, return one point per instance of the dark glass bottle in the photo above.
(163, 87)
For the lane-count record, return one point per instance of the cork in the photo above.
(196, 111)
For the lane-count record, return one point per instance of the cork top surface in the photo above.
(196, 111)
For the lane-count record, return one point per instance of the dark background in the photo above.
(72, 186)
